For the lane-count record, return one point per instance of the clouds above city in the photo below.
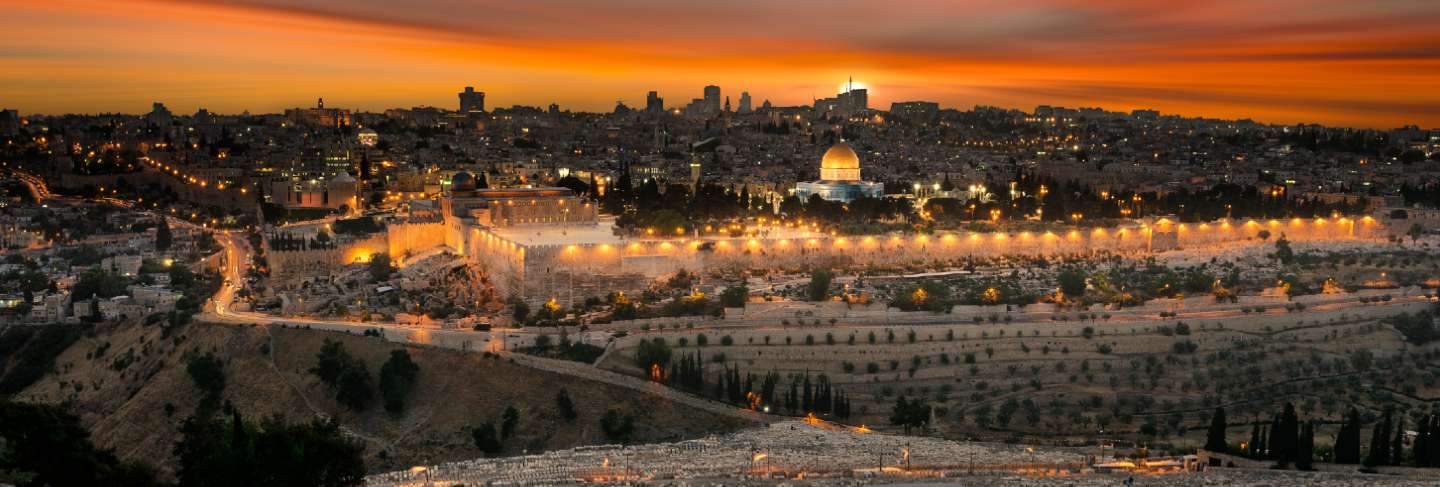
(1371, 63)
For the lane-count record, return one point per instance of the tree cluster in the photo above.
(910, 413)
(346, 375)
(213, 452)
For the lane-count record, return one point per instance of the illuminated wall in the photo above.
(569, 273)
(413, 237)
(289, 265)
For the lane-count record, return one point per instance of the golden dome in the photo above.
(840, 164)
(840, 156)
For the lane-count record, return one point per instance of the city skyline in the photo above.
(1370, 65)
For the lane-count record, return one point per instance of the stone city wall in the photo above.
(554, 271)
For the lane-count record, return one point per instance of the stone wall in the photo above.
(290, 265)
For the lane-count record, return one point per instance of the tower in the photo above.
(712, 100)
(471, 100)
(745, 102)
(853, 100)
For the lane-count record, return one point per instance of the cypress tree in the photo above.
(807, 401)
(1397, 447)
(1421, 450)
(1434, 443)
(1289, 429)
(1379, 442)
(1305, 451)
(1263, 449)
(1347, 441)
(1254, 446)
(792, 401)
(1275, 443)
(163, 237)
(1215, 439)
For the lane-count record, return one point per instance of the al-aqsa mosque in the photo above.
(839, 178)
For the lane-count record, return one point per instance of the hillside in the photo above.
(1135, 377)
(129, 386)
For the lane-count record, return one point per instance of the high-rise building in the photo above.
(853, 100)
(9, 122)
(745, 102)
(712, 100)
(471, 100)
(159, 116)
(653, 103)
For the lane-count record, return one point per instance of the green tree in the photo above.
(519, 310)
(1347, 441)
(1305, 448)
(1072, 282)
(653, 353)
(509, 421)
(819, 287)
(1215, 438)
(43, 445)
(1380, 442)
(485, 438)
(616, 426)
(1283, 252)
(163, 238)
(213, 453)
(208, 374)
(565, 405)
(330, 361)
(910, 414)
(1287, 431)
(99, 283)
(380, 267)
(734, 296)
(397, 377)
(354, 389)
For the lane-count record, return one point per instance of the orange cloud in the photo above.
(1346, 63)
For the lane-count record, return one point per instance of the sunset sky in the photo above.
(1373, 63)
